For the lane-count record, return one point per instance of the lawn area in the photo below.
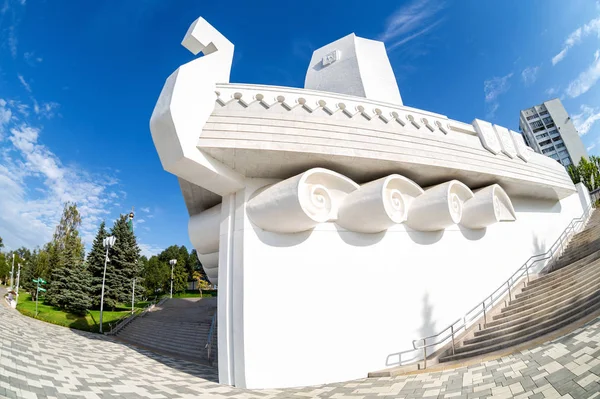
(195, 294)
(89, 322)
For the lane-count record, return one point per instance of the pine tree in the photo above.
(78, 299)
(66, 253)
(95, 264)
(70, 289)
(122, 266)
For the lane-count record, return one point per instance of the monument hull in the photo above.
(330, 304)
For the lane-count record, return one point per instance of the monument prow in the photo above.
(338, 223)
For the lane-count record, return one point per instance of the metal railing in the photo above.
(448, 334)
(117, 326)
(211, 331)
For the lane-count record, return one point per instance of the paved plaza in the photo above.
(39, 360)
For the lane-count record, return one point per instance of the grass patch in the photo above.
(195, 294)
(89, 322)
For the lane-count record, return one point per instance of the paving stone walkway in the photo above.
(39, 360)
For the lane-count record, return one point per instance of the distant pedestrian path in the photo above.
(43, 360)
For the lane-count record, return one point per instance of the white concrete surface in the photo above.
(333, 304)
(355, 66)
(303, 300)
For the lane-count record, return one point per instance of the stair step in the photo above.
(581, 265)
(535, 312)
(567, 293)
(550, 296)
(573, 307)
(506, 344)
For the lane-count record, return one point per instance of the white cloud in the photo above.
(575, 37)
(35, 183)
(585, 120)
(145, 209)
(586, 79)
(148, 250)
(24, 83)
(46, 110)
(411, 21)
(5, 117)
(140, 221)
(493, 88)
(529, 75)
(551, 91)
(31, 58)
(591, 147)
(12, 41)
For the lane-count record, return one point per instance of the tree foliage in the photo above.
(69, 287)
(122, 266)
(95, 264)
(75, 284)
(586, 172)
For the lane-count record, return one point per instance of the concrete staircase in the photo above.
(178, 328)
(570, 291)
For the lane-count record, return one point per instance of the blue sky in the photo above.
(79, 80)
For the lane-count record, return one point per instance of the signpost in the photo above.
(38, 281)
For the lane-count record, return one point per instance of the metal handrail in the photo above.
(211, 331)
(469, 318)
(123, 321)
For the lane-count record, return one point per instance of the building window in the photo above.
(539, 129)
(544, 113)
(541, 136)
(567, 161)
(563, 153)
(531, 117)
(547, 150)
(556, 138)
(554, 156)
(548, 120)
(550, 125)
(560, 145)
(554, 131)
(543, 143)
(536, 124)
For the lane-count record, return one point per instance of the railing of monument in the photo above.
(118, 325)
(595, 195)
(432, 343)
(211, 332)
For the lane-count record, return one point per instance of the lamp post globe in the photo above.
(108, 243)
(172, 262)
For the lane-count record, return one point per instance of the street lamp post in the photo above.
(12, 274)
(108, 242)
(18, 279)
(172, 262)
(132, 295)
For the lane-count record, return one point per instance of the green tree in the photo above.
(70, 287)
(588, 173)
(122, 266)
(156, 275)
(95, 264)
(1, 243)
(66, 253)
(202, 283)
(180, 271)
(4, 269)
(197, 265)
(573, 171)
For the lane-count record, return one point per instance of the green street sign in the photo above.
(42, 280)
(41, 289)
(35, 280)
